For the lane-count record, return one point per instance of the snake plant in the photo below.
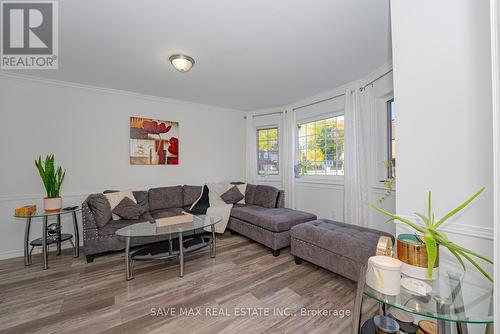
(433, 237)
(52, 178)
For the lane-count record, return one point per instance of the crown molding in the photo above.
(110, 91)
(341, 89)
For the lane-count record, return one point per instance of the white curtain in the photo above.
(288, 161)
(251, 150)
(355, 161)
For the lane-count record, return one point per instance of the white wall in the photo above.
(88, 131)
(495, 53)
(442, 86)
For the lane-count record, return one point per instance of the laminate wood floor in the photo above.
(75, 297)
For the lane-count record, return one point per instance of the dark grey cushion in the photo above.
(128, 209)
(142, 198)
(266, 196)
(250, 194)
(191, 194)
(232, 196)
(162, 213)
(165, 198)
(354, 242)
(276, 220)
(99, 205)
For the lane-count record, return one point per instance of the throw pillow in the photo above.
(232, 195)
(242, 187)
(100, 208)
(266, 196)
(116, 197)
(128, 209)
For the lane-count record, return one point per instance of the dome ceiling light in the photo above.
(181, 63)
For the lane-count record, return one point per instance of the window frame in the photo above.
(278, 137)
(321, 179)
(390, 170)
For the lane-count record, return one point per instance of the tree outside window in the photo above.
(267, 151)
(320, 148)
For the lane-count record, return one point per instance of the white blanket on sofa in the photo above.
(217, 207)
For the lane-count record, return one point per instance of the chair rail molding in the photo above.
(453, 227)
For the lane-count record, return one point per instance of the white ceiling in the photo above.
(249, 54)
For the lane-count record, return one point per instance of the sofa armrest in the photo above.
(88, 221)
(280, 203)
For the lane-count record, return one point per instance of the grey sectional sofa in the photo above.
(262, 218)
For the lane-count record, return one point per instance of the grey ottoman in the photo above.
(338, 247)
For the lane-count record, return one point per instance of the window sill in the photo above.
(274, 178)
(338, 181)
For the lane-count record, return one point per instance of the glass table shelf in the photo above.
(455, 297)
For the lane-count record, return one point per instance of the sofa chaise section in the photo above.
(264, 219)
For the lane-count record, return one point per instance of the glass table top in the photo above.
(455, 297)
(41, 213)
(147, 229)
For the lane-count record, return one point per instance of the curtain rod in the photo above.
(320, 101)
(377, 78)
(327, 99)
(270, 113)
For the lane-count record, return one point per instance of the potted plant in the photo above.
(432, 237)
(52, 179)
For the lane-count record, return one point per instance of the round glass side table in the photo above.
(457, 299)
(45, 240)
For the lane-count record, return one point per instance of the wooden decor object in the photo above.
(180, 219)
(26, 210)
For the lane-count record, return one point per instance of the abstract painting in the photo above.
(153, 142)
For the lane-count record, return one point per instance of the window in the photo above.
(321, 146)
(391, 140)
(267, 151)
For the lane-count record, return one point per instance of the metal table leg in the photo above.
(128, 270)
(27, 253)
(213, 247)
(44, 243)
(59, 234)
(76, 249)
(181, 256)
(443, 306)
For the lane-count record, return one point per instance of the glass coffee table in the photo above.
(174, 247)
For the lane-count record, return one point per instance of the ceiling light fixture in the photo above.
(181, 63)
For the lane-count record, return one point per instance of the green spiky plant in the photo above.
(432, 237)
(52, 178)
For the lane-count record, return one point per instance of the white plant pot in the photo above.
(52, 204)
